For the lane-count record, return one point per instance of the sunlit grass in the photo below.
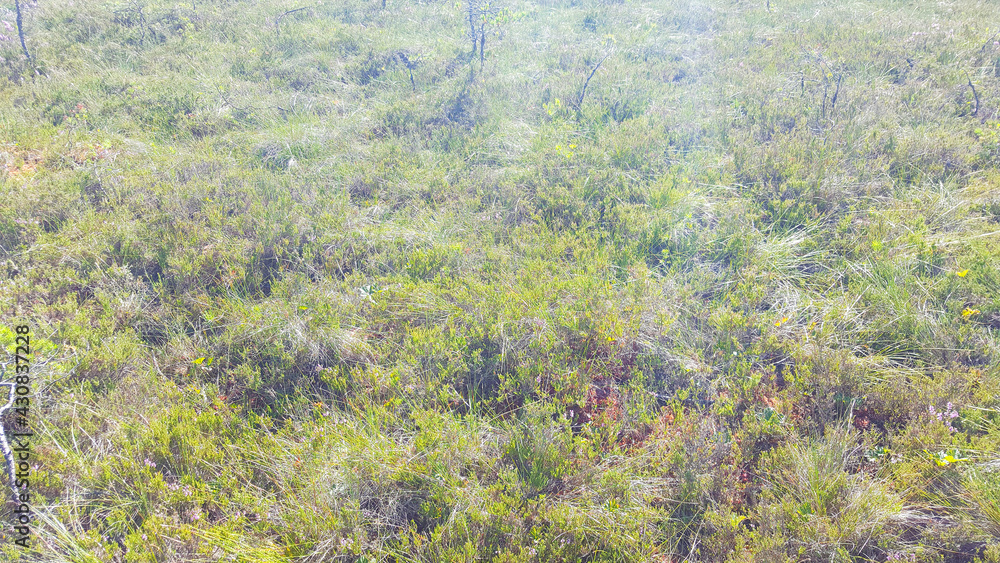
(336, 288)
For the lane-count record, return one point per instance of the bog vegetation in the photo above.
(512, 281)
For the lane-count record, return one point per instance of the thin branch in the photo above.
(833, 102)
(20, 29)
(974, 94)
(410, 65)
(983, 48)
(277, 20)
(586, 83)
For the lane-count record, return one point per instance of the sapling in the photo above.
(481, 15)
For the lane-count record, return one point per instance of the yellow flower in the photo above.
(969, 312)
(781, 322)
(962, 274)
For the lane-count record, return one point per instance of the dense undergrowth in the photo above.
(322, 285)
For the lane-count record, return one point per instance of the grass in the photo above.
(334, 287)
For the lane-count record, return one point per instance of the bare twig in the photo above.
(974, 94)
(983, 48)
(586, 83)
(836, 92)
(20, 29)
(277, 20)
(410, 65)
(827, 75)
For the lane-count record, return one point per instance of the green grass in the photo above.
(332, 288)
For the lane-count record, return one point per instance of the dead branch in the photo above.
(974, 94)
(277, 20)
(20, 29)
(586, 83)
